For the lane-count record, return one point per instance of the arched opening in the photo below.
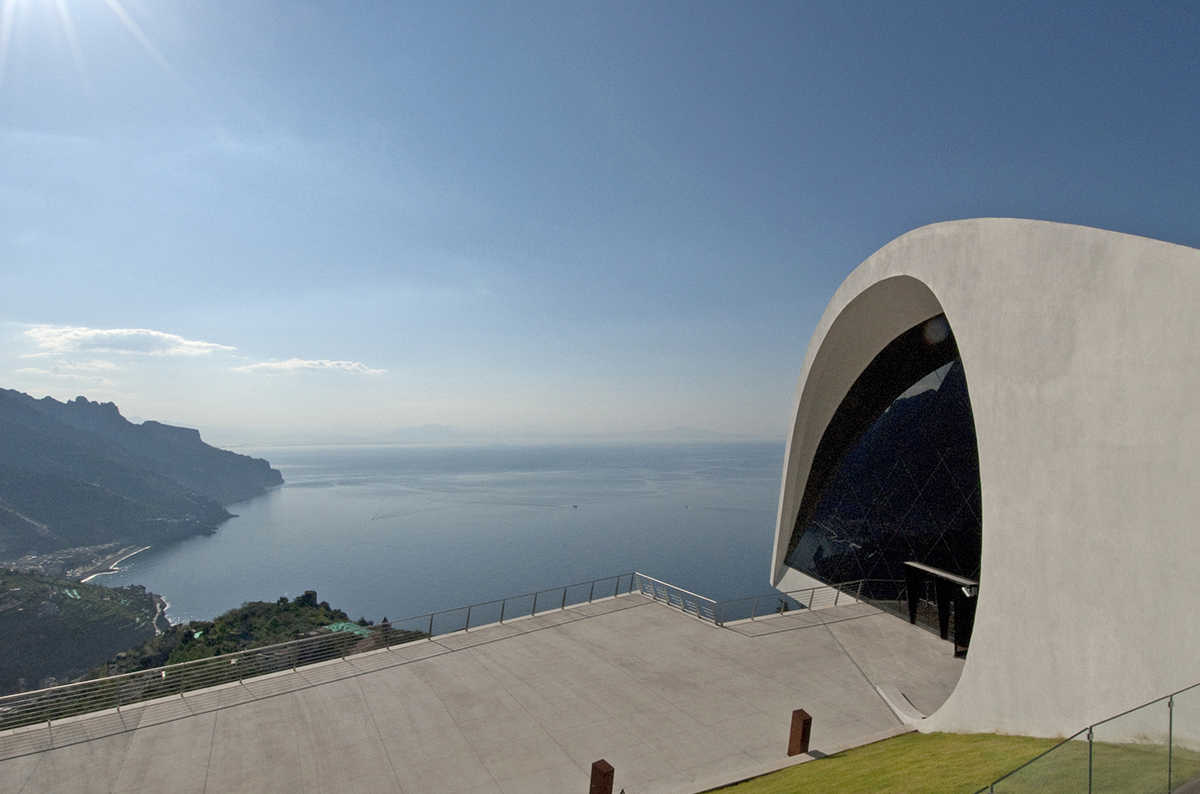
(895, 481)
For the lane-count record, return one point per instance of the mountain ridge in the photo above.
(78, 474)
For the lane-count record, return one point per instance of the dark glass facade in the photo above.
(896, 476)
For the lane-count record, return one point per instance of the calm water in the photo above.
(405, 530)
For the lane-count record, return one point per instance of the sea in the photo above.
(399, 531)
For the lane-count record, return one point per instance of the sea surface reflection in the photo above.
(404, 530)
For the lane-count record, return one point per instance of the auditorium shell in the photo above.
(1014, 404)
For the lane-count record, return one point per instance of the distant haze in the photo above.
(300, 221)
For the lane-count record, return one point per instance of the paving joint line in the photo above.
(308, 684)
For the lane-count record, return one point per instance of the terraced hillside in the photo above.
(53, 630)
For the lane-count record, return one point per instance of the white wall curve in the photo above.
(1081, 350)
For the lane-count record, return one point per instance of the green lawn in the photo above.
(913, 763)
(945, 763)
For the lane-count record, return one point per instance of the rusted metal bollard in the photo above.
(801, 732)
(602, 778)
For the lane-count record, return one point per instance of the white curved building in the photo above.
(1080, 351)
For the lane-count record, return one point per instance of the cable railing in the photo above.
(126, 689)
(780, 602)
(751, 607)
(1152, 748)
(487, 613)
(683, 600)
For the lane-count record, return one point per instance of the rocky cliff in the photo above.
(78, 474)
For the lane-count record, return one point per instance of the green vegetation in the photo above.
(1130, 768)
(913, 763)
(53, 630)
(251, 625)
(938, 763)
(202, 644)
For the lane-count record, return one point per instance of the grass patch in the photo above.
(941, 763)
(912, 763)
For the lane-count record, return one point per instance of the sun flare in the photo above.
(16, 21)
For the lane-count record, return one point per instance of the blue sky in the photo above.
(532, 218)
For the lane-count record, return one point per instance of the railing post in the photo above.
(1170, 736)
(837, 593)
(754, 609)
(860, 584)
(188, 677)
(812, 591)
(1089, 759)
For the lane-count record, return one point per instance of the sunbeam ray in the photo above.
(142, 38)
(6, 25)
(64, 15)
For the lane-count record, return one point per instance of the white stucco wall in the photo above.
(1081, 350)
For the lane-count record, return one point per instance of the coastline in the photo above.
(108, 564)
(161, 621)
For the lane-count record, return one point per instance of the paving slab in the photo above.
(674, 703)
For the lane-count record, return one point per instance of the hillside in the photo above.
(177, 453)
(53, 630)
(79, 476)
(252, 625)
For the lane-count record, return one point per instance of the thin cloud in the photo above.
(90, 380)
(299, 364)
(61, 340)
(92, 365)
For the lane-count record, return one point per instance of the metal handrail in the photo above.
(685, 600)
(125, 689)
(506, 614)
(819, 597)
(46, 705)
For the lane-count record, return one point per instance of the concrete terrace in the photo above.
(674, 703)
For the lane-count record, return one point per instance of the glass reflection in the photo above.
(908, 487)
